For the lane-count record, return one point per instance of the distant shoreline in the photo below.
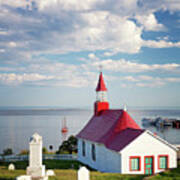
(87, 108)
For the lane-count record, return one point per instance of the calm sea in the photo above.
(18, 125)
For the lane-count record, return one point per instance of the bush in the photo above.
(7, 151)
(44, 150)
(69, 146)
(24, 152)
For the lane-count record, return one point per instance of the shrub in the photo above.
(7, 151)
(69, 146)
(44, 150)
(24, 152)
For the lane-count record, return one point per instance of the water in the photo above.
(17, 126)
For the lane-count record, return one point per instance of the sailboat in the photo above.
(64, 127)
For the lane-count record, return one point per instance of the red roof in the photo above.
(123, 138)
(101, 85)
(113, 128)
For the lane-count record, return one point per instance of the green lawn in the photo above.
(173, 174)
(66, 171)
(9, 175)
(72, 175)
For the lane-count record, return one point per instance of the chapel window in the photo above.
(93, 152)
(135, 163)
(163, 161)
(83, 148)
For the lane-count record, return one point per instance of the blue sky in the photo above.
(51, 50)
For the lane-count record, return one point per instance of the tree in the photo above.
(44, 150)
(24, 152)
(69, 145)
(7, 151)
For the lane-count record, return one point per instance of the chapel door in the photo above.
(148, 166)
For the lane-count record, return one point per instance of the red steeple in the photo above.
(101, 101)
(101, 85)
(125, 122)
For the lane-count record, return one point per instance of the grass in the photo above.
(69, 174)
(64, 170)
(9, 175)
(72, 175)
(50, 164)
(173, 174)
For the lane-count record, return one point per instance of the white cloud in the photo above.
(69, 30)
(12, 44)
(145, 78)
(123, 65)
(130, 78)
(109, 53)
(147, 81)
(60, 74)
(155, 81)
(15, 79)
(59, 26)
(2, 50)
(172, 5)
(152, 84)
(149, 22)
(17, 3)
(92, 56)
(38, 27)
(173, 79)
(123, 36)
(160, 44)
(3, 32)
(49, 74)
(46, 80)
(67, 4)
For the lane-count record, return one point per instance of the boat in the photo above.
(64, 126)
(147, 122)
(160, 122)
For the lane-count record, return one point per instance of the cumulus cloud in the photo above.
(149, 22)
(59, 26)
(39, 27)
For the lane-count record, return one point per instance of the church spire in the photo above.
(101, 99)
(101, 85)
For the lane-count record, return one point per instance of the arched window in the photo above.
(83, 148)
(93, 150)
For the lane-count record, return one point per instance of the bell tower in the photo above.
(101, 96)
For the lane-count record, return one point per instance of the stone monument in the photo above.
(83, 173)
(35, 168)
(24, 177)
(11, 167)
(50, 172)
